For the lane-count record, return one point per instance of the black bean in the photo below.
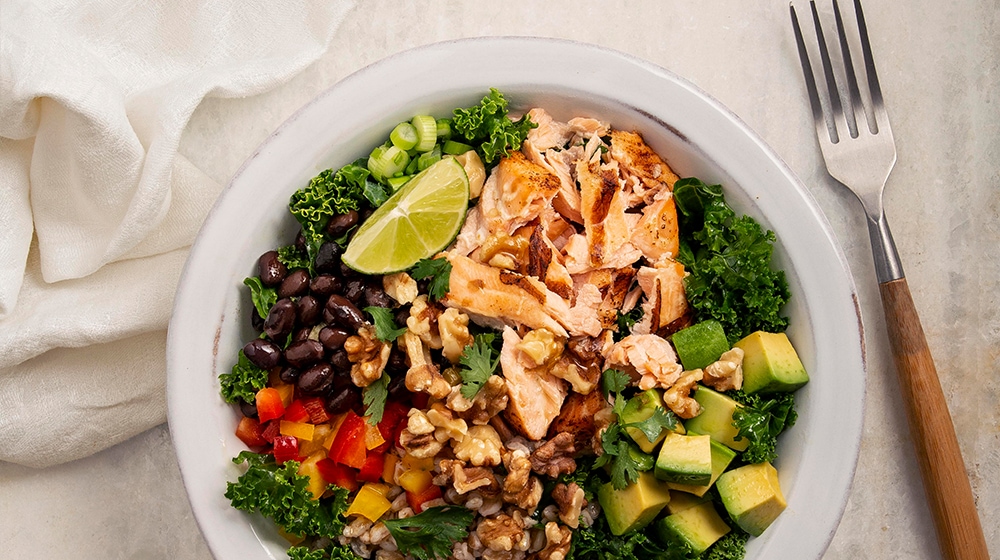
(289, 375)
(339, 225)
(344, 312)
(316, 379)
(295, 284)
(256, 321)
(304, 353)
(262, 353)
(272, 271)
(300, 243)
(402, 314)
(280, 320)
(333, 338)
(366, 213)
(328, 258)
(308, 310)
(397, 388)
(324, 285)
(301, 334)
(375, 295)
(354, 290)
(339, 360)
(343, 400)
(397, 361)
(348, 272)
(248, 409)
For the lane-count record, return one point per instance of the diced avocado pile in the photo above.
(705, 451)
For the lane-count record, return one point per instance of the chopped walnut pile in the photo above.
(557, 542)
(423, 321)
(466, 479)
(678, 397)
(727, 372)
(417, 438)
(555, 456)
(481, 446)
(520, 487)
(446, 426)
(540, 347)
(368, 354)
(503, 533)
(489, 401)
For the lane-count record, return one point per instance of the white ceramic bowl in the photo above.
(697, 135)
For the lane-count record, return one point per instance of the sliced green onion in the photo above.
(386, 161)
(455, 148)
(428, 159)
(444, 129)
(426, 132)
(411, 168)
(404, 136)
(396, 182)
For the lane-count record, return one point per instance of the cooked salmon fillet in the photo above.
(535, 396)
(639, 160)
(656, 234)
(515, 193)
(665, 298)
(603, 207)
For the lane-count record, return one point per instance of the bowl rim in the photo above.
(179, 427)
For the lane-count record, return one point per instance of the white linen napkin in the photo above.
(97, 208)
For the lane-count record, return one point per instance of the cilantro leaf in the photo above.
(280, 493)
(431, 533)
(614, 381)
(760, 420)
(385, 324)
(654, 425)
(292, 258)
(243, 381)
(438, 270)
(488, 127)
(374, 397)
(479, 361)
(261, 296)
(729, 260)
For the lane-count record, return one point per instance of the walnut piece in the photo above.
(480, 446)
(488, 402)
(368, 354)
(678, 396)
(422, 375)
(557, 542)
(466, 479)
(446, 426)
(520, 488)
(540, 347)
(423, 321)
(400, 287)
(727, 372)
(453, 326)
(417, 438)
(570, 499)
(555, 456)
(583, 380)
(501, 533)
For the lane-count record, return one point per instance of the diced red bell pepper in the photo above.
(342, 476)
(250, 432)
(269, 405)
(316, 409)
(296, 412)
(349, 444)
(392, 417)
(373, 468)
(286, 448)
(416, 500)
(420, 400)
(270, 430)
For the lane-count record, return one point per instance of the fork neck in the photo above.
(887, 265)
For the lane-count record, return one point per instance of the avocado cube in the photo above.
(716, 418)
(634, 506)
(697, 527)
(770, 364)
(700, 344)
(680, 501)
(685, 459)
(638, 409)
(721, 457)
(752, 496)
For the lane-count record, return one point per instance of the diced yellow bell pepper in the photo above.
(416, 481)
(414, 464)
(308, 468)
(335, 423)
(300, 430)
(389, 468)
(287, 392)
(292, 539)
(320, 433)
(373, 437)
(370, 502)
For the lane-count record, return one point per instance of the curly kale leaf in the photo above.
(292, 258)
(760, 420)
(328, 194)
(598, 543)
(280, 493)
(243, 381)
(331, 552)
(732, 546)
(729, 259)
(488, 127)
(261, 296)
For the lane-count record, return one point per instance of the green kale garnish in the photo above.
(243, 381)
(479, 360)
(280, 493)
(385, 324)
(439, 271)
(729, 259)
(328, 194)
(261, 296)
(330, 552)
(293, 258)
(626, 321)
(431, 533)
(761, 420)
(488, 127)
(732, 546)
(598, 543)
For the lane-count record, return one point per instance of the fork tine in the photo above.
(878, 107)
(836, 107)
(855, 110)
(807, 72)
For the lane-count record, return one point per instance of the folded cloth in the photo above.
(97, 208)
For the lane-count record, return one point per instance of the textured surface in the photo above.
(940, 70)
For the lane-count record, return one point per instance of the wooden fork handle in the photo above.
(945, 480)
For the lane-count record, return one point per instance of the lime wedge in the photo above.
(418, 221)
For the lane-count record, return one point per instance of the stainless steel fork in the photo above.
(857, 145)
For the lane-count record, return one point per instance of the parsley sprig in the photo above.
(431, 533)
(439, 271)
(479, 360)
(374, 397)
(385, 325)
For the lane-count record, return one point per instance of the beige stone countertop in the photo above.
(939, 64)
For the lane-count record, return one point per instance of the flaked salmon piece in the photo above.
(585, 128)
(583, 318)
(563, 164)
(656, 233)
(647, 358)
(535, 397)
(473, 234)
(614, 285)
(544, 262)
(556, 227)
(515, 193)
(577, 254)
(495, 297)
(606, 225)
(638, 159)
(665, 299)
(549, 133)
